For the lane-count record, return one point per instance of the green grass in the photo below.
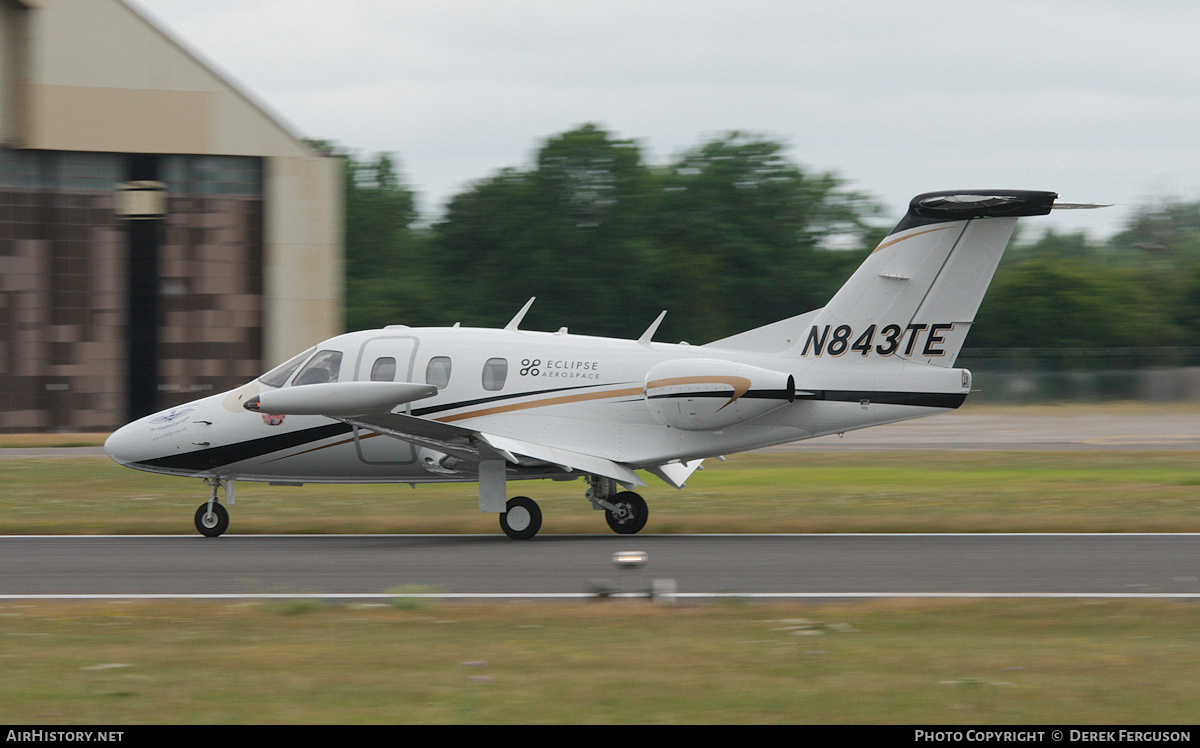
(601, 663)
(1083, 491)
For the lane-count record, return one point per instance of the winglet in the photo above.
(653, 328)
(512, 325)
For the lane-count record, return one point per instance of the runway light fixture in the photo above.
(627, 559)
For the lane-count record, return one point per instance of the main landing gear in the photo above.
(212, 519)
(628, 514)
(625, 511)
(521, 519)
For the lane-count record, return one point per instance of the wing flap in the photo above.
(443, 437)
(477, 446)
(565, 458)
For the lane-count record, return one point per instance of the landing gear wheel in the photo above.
(521, 519)
(211, 524)
(629, 513)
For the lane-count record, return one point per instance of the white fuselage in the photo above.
(589, 395)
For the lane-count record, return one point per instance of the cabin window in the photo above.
(438, 372)
(277, 376)
(495, 371)
(323, 368)
(384, 370)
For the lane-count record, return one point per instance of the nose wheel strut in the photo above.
(212, 518)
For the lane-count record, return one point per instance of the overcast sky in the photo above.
(1095, 99)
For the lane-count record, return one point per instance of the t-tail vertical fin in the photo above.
(916, 295)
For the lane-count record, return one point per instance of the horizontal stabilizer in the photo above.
(339, 399)
(916, 296)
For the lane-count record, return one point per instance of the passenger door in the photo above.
(387, 358)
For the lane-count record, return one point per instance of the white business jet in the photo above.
(427, 405)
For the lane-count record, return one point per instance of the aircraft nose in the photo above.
(123, 445)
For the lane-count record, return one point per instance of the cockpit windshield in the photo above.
(322, 369)
(277, 376)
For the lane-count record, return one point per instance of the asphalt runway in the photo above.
(1077, 429)
(566, 567)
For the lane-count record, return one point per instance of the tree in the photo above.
(1048, 302)
(1162, 243)
(570, 231)
(388, 276)
(743, 231)
(728, 237)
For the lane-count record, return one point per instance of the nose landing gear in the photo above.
(212, 518)
(211, 522)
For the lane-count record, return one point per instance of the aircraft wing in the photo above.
(370, 405)
(564, 458)
(477, 445)
(443, 437)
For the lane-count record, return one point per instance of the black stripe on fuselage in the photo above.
(747, 395)
(215, 457)
(924, 399)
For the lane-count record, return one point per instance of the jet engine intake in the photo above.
(710, 394)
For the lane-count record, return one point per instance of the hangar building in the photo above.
(161, 236)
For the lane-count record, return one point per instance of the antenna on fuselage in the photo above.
(520, 315)
(653, 328)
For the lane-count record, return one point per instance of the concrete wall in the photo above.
(302, 277)
(95, 76)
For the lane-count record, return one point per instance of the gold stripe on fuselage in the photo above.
(562, 400)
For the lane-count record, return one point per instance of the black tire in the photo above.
(521, 519)
(212, 525)
(630, 515)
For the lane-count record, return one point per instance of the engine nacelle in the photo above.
(708, 394)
